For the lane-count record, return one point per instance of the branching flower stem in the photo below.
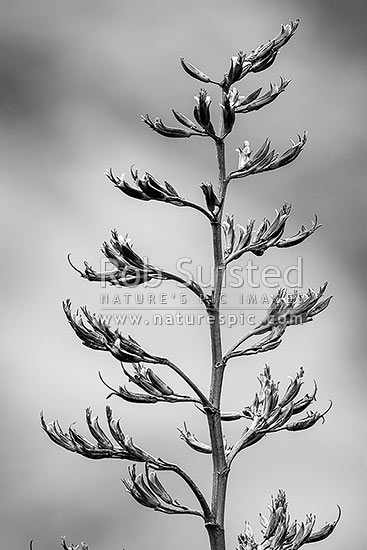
(230, 352)
(204, 400)
(168, 466)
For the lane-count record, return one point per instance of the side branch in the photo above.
(148, 491)
(191, 285)
(191, 483)
(204, 400)
(285, 310)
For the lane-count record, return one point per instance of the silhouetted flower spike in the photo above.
(265, 159)
(280, 534)
(202, 112)
(103, 448)
(289, 313)
(125, 187)
(156, 390)
(269, 414)
(89, 337)
(75, 442)
(131, 269)
(264, 56)
(254, 101)
(268, 234)
(148, 491)
(289, 155)
(168, 131)
(99, 336)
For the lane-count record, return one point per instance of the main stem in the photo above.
(220, 470)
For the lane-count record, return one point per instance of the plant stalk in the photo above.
(215, 530)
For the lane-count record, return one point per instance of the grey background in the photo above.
(75, 77)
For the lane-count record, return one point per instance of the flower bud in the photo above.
(211, 198)
(202, 112)
(244, 155)
(228, 113)
(186, 121)
(161, 386)
(193, 442)
(194, 71)
(166, 131)
(325, 531)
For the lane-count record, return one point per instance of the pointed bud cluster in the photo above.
(264, 55)
(203, 127)
(167, 131)
(260, 59)
(238, 69)
(81, 546)
(103, 447)
(239, 239)
(131, 270)
(148, 491)
(255, 101)
(96, 334)
(270, 413)
(292, 309)
(228, 112)
(202, 112)
(280, 533)
(156, 390)
(265, 159)
(285, 310)
(211, 199)
(146, 188)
